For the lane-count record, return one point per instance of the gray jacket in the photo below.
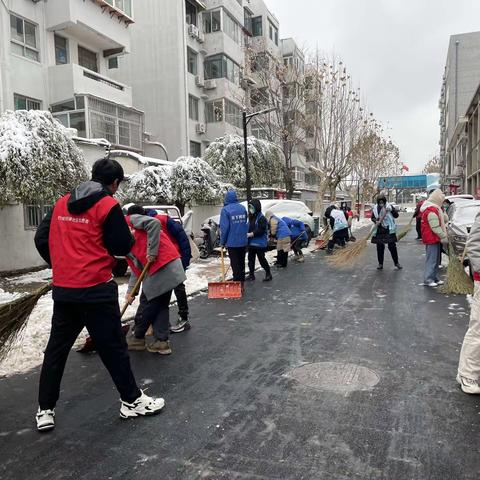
(169, 276)
(473, 245)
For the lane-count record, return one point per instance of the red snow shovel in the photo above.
(89, 346)
(224, 289)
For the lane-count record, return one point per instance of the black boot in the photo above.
(251, 277)
(398, 266)
(268, 277)
(380, 267)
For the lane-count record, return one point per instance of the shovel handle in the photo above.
(136, 287)
(223, 264)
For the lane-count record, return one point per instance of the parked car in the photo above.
(121, 267)
(290, 208)
(460, 198)
(461, 217)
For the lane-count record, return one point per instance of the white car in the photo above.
(290, 208)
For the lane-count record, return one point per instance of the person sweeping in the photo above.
(78, 240)
(383, 216)
(281, 233)
(434, 235)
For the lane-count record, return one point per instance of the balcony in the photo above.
(70, 79)
(94, 22)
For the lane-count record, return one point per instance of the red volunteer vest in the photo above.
(79, 257)
(166, 250)
(428, 236)
(163, 217)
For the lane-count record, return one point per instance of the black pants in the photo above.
(256, 252)
(237, 262)
(339, 238)
(418, 226)
(155, 313)
(182, 301)
(102, 321)
(381, 252)
(282, 258)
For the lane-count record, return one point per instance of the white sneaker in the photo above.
(143, 405)
(440, 282)
(468, 385)
(45, 420)
(431, 284)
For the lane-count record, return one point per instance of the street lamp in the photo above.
(246, 121)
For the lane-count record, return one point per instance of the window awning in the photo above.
(199, 4)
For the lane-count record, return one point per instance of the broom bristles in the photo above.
(457, 281)
(405, 231)
(350, 255)
(14, 316)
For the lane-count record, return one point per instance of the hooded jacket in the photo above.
(297, 228)
(473, 248)
(433, 222)
(258, 225)
(85, 228)
(278, 228)
(233, 222)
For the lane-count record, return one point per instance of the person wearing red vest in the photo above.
(468, 375)
(434, 234)
(79, 238)
(152, 244)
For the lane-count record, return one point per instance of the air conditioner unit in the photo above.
(210, 84)
(199, 82)
(193, 31)
(201, 37)
(201, 128)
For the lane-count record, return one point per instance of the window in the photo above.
(124, 5)
(195, 149)
(231, 27)
(259, 97)
(214, 111)
(61, 56)
(192, 61)
(193, 107)
(87, 59)
(25, 103)
(247, 20)
(259, 132)
(257, 30)
(233, 114)
(190, 13)
(112, 63)
(212, 21)
(221, 66)
(23, 38)
(33, 214)
(273, 32)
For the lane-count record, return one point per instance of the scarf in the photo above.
(388, 221)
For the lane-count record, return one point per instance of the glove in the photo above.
(444, 241)
(249, 234)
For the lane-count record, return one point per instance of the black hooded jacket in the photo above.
(117, 239)
(261, 227)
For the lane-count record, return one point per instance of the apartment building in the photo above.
(185, 70)
(57, 55)
(459, 84)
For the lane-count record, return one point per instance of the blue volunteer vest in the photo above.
(259, 242)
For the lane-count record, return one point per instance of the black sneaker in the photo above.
(268, 278)
(181, 326)
(250, 278)
(380, 267)
(398, 266)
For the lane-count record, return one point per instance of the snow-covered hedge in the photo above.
(226, 156)
(38, 160)
(188, 179)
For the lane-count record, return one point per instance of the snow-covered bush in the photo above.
(38, 160)
(150, 185)
(194, 179)
(226, 156)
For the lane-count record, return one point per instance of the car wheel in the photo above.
(120, 268)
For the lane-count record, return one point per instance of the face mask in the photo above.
(251, 209)
(381, 204)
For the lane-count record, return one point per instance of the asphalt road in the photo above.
(375, 398)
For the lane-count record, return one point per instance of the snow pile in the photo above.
(226, 156)
(150, 185)
(37, 157)
(6, 297)
(41, 276)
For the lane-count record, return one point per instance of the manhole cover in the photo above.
(344, 377)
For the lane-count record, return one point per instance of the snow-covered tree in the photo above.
(193, 179)
(38, 160)
(226, 156)
(150, 185)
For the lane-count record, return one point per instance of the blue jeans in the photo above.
(431, 263)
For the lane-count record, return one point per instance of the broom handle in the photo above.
(223, 264)
(136, 287)
(464, 253)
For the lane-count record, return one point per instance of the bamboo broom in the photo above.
(406, 230)
(351, 254)
(457, 281)
(14, 316)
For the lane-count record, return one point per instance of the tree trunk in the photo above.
(181, 207)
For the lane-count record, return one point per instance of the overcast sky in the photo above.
(395, 51)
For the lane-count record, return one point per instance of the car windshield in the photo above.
(466, 215)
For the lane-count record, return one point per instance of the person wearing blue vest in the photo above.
(257, 240)
(233, 233)
(299, 235)
(279, 231)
